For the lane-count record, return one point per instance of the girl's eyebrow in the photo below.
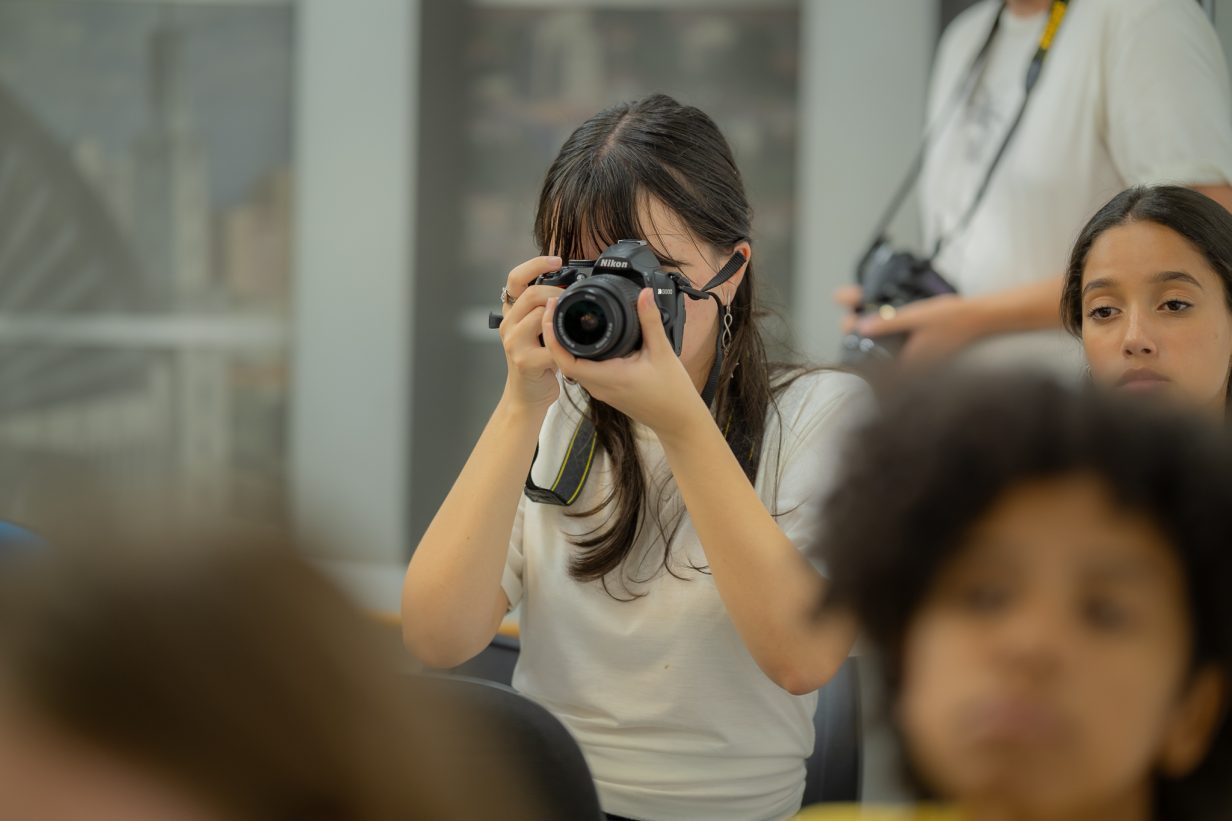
(1123, 569)
(1097, 284)
(1157, 279)
(1176, 276)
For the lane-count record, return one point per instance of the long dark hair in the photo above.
(1204, 223)
(594, 192)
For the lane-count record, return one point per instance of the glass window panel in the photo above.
(145, 218)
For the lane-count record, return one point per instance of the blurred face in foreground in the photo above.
(1047, 672)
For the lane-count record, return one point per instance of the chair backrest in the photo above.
(545, 754)
(832, 772)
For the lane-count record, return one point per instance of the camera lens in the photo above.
(584, 322)
(597, 318)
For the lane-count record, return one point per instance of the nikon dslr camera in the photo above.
(893, 278)
(596, 317)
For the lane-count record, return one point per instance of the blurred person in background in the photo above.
(664, 616)
(1045, 572)
(1132, 92)
(215, 678)
(1149, 292)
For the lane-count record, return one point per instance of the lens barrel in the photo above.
(596, 318)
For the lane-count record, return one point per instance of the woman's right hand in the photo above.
(850, 297)
(531, 383)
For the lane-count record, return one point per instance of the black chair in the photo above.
(494, 663)
(526, 737)
(832, 772)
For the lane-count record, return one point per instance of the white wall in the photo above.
(862, 85)
(863, 82)
(350, 407)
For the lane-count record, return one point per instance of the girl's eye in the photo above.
(1106, 614)
(1175, 306)
(1101, 312)
(983, 598)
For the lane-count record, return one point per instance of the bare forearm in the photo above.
(1030, 307)
(1037, 306)
(769, 589)
(451, 594)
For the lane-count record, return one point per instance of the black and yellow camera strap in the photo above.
(580, 454)
(574, 469)
(963, 91)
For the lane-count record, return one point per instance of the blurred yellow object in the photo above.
(858, 812)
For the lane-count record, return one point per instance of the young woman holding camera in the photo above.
(1149, 292)
(665, 612)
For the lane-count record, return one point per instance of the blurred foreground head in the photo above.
(1046, 574)
(215, 678)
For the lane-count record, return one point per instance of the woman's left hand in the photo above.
(937, 328)
(650, 385)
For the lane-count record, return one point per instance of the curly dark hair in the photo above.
(945, 449)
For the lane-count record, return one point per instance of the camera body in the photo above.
(890, 278)
(596, 316)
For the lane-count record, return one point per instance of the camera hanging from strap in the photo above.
(963, 92)
(579, 456)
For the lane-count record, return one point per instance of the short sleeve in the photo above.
(511, 579)
(1168, 106)
(816, 426)
(563, 416)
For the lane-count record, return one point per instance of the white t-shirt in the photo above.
(1132, 92)
(673, 714)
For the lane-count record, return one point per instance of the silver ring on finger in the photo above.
(506, 297)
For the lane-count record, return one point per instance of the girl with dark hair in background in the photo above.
(664, 614)
(1148, 290)
(1045, 573)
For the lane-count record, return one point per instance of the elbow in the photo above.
(439, 643)
(430, 648)
(801, 677)
(797, 684)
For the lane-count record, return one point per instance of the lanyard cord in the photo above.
(963, 91)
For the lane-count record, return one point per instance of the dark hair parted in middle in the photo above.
(1204, 223)
(595, 193)
(944, 451)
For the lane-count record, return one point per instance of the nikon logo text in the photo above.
(613, 263)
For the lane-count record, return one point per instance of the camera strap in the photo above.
(963, 92)
(579, 456)
(574, 469)
(725, 273)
